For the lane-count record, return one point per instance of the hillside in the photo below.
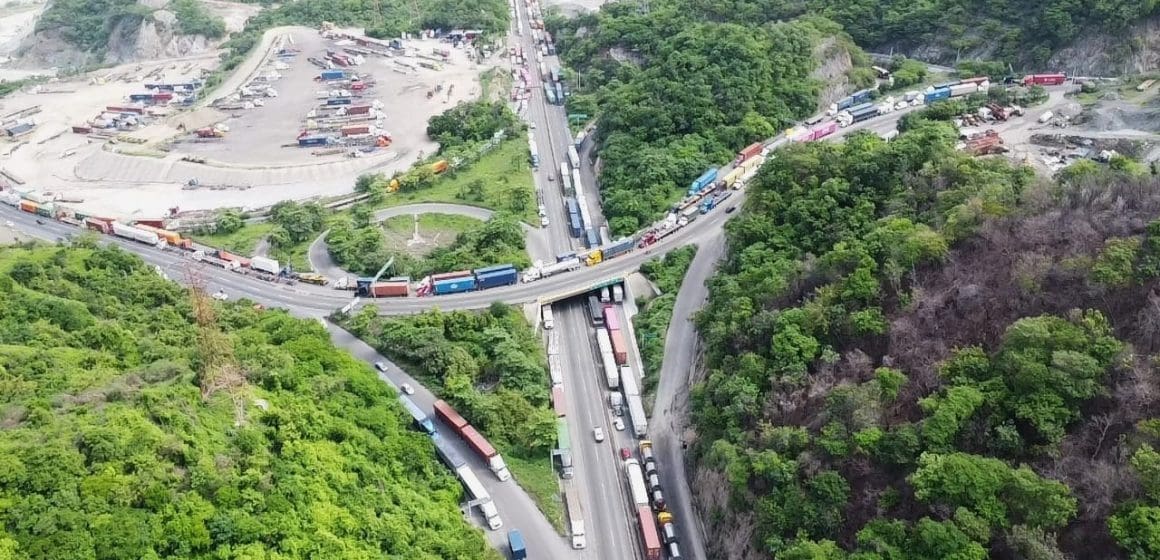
(110, 448)
(683, 86)
(913, 354)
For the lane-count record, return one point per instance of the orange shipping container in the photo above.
(29, 206)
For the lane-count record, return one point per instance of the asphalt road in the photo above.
(670, 409)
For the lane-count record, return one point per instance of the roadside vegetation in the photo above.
(291, 228)
(651, 324)
(914, 353)
(491, 367)
(88, 24)
(194, 19)
(112, 447)
(702, 81)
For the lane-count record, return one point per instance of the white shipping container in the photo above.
(265, 265)
(636, 482)
(628, 383)
(636, 414)
(129, 232)
(964, 89)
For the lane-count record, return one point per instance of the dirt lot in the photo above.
(248, 168)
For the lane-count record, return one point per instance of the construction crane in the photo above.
(217, 368)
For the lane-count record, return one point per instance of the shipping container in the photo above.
(29, 206)
(703, 181)
(355, 129)
(449, 275)
(750, 151)
(593, 238)
(636, 415)
(558, 400)
(617, 248)
(861, 96)
(936, 95)
(1044, 79)
(448, 414)
(233, 258)
(129, 232)
(575, 228)
(448, 454)
(390, 289)
(358, 110)
(338, 101)
(98, 225)
(505, 277)
(823, 131)
(619, 347)
(493, 268)
(628, 384)
(314, 141)
(264, 264)
(329, 75)
(454, 285)
(636, 486)
(607, 361)
(611, 321)
(171, 237)
(959, 90)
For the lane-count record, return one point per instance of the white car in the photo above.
(381, 366)
(544, 221)
(598, 433)
(407, 388)
(618, 423)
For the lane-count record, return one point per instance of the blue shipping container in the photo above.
(571, 204)
(618, 248)
(703, 181)
(495, 268)
(845, 103)
(140, 96)
(314, 141)
(577, 229)
(333, 74)
(450, 456)
(565, 256)
(338, 101)
(455, 285)
(937, 95)
(505, 277)
(593, 238)
(860, 107)
(861, 96)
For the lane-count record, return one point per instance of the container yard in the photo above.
(143, 138)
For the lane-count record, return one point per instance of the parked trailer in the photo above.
(171, 237)
(477, 493)
(959, 90)
(648, 533)
(448, 454)
(607, 360)
(610, 318)
(619, 347)
(129, 232)
(703, 181)
(575, 517)
(573, 157)
(473, 438)
(595, 311)
(558, 400)
(636, 415)
(422, 421)
(636, 485)
(617, 248)
(1044, 79)
(264, 264)
(938, 94)
(398, 288)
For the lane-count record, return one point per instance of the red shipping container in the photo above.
(477, 441)
(82, 129)
(98, 225)
(648, 533)
(163, 96)
(749, 151)
(116, 109)
(353, 130)
(157, 223)
(1044, 79)
(448, 414)
(390, 289)
(450, 275)
(975, 80)
(358, 110)
(358, 86)
(558, 399)
(619, 349)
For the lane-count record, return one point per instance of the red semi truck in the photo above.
(474, 439)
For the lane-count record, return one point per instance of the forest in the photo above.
(917, 354)
(491, 366)
(691, 92)
(117, 441)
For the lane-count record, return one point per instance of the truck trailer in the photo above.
(474, 439)
(575, 517)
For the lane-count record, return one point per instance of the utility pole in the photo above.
(218, 369)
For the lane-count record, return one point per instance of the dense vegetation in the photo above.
(87, 24)
(652, 323)
(475, 121)
(111, 448)
(1015, 30)
(916, 354)
(491, 366)
(700, 83)
(360, 248)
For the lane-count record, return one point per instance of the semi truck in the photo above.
(544, 271)
(264, 264)
(700, 183)
(478, 494)
(1044, 79)
(636, 415)
(575, 517)
(636, 485)
(474, 439)
(564, 449)
(607, 361)
(422, 421)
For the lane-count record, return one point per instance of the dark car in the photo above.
(730, 209)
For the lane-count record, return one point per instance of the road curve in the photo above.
(670, 410)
